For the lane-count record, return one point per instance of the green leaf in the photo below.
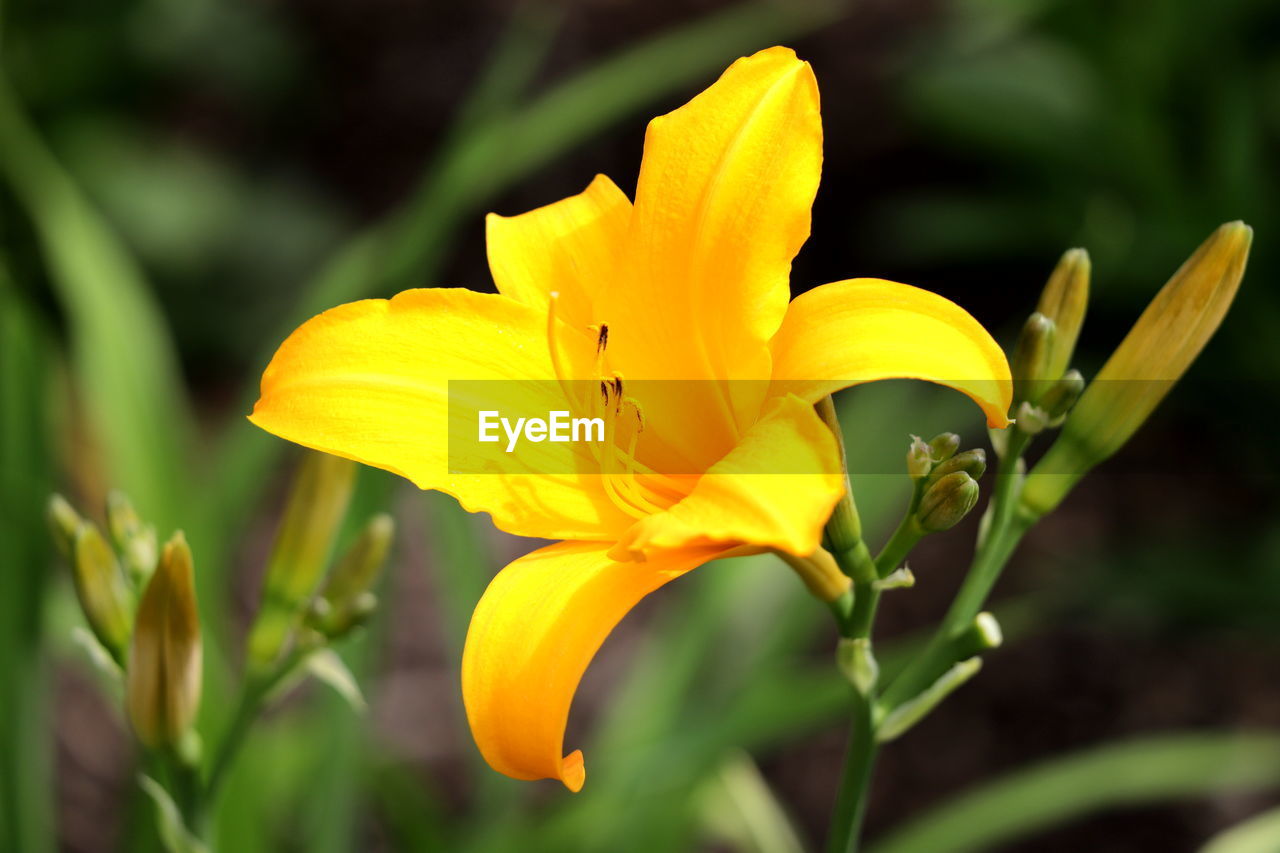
(1128, 773)
(1258, 834)
(174, 834)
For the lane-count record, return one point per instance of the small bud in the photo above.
(162, 687)
(65, 523)
(947, 501)
(317, 504)
(943, 447)
(900, 578)
(919, 458)
(972, 462)
(135, 540)
(1064, 300)
(1061, 396)
(858, 664)
(1030, 418)
(103, 591)
(345, 601)
(1031, 357)
(1155, 354)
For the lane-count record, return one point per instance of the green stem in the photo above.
(1004, 532)
(855, 784)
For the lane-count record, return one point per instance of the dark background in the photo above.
(232, 146)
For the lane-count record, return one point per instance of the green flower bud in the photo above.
(1064, 300)
(919, 458)
(135, 540)
(346, 600)
(1031, 357)
(317, 504)
(944, 446)
(947, 501)
(103, 591)
(1155, 354)
(1061, 396)
(972, 462)
(163, 676)
(65, 523)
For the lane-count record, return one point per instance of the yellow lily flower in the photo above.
(688, 283)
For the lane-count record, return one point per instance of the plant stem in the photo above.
(855, 784)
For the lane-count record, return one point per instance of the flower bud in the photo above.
(346, 600)
(972, 462)
(943, 447)
(1061, 396)
(135, 540)
(65, 523)
(947, 501)
(103, 591)
(317, 504)
(162, 686)
(1064, 300)
(1154, 355)
(1030, 418)
(1031, 357)
(919, 458)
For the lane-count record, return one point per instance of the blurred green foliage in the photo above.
(146, 249)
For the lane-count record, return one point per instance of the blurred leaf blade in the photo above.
(1139, 771)
(1258, 834)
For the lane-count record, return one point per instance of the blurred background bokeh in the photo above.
(183, 181)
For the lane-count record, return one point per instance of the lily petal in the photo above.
(866, 329)
(775, 489)
(370, 381)
(573, 247)
(533, 633)
(722, 206)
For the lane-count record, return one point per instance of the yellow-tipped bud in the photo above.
(162, 687)
(104, 593)
(317, 504)
(134, 539)
(1031, 357)
(1064, 300)
(65, 523)
(346, 600)
(1154, 355)
(919, 458)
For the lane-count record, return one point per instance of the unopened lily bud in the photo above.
(317, 504)
(972, 462)
(1030, 418)
(1064, 300)
(1061, 396)
(1155, 354)
(163, 676)
(919, 458)
(103, 591)
(135, 540)
(65, 523)
(1031, 357)
(346, 600)
(943, 447)
(947, 501)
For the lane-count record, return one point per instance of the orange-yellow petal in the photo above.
(865, 329)
(572, 247)
(722, 206)
(370, 381)
(533, 633)
(776, 489)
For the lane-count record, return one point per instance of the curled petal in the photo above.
(866, 329)
(536, 628)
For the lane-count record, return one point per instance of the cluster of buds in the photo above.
(305, 605)
(1155, 354)
(1044, 390)
(140, 605)
(946, 480)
